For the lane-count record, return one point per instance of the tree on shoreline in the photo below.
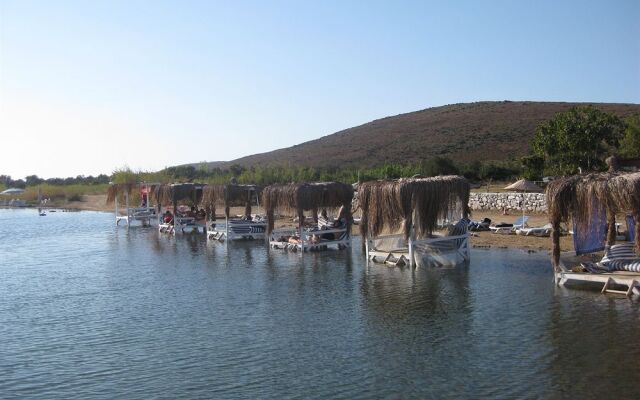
(630, 143)
(579, 139)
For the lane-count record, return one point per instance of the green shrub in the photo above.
(75, 197)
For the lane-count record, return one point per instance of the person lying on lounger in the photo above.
(296, 240)
(192, 213)
(344, 217)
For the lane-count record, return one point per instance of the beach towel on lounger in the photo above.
(459, 228)
(476, 226)
(324, 222)
(621, 257)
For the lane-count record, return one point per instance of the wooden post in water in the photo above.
(300, 224)
(412, 235)
(636, 220)
(226, 229)
(126, 200)
(611, 228)
(366, 246)
(116, 202)
(555, 245)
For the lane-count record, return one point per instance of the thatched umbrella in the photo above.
(414, 203)
(524, 186)
(301, 197)
(11, 191)
(582, 196)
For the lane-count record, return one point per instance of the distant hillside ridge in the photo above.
(465, 132)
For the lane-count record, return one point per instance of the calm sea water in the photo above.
(91, 311)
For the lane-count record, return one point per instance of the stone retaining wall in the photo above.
(534, 202)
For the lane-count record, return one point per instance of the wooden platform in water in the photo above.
(631, 280)
(397, 258)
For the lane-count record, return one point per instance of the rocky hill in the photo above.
(463, 132)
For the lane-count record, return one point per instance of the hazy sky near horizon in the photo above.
(88, 87)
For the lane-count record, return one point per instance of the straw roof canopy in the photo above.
(171, 194)
(117, 189)
(582, 196)
(575, 195)
(414, 202)
(302, 197)
(230, 195)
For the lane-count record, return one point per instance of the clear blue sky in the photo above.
(89, 86)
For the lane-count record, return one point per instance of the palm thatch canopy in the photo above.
(411, 203)
(117, 189)
(616, 163)
(230, 195)
(171, 194)
(300, 197)
(582, 196)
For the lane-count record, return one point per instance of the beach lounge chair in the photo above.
(621, 257)
(541, 231)
(508, 229)
(477, 226)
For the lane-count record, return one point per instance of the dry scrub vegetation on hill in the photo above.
(463, 132)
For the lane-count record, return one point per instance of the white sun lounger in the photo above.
(541, 231)
(508, 230)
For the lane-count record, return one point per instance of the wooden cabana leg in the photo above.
(611, 228)
(300, 232)
(366, 244)
(412, 237)
(555, 245)
(636, 219)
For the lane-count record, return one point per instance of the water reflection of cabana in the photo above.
(144, 213)
(171, 195)
(232, 195)
(418, 206)
(310, 197)
(592, 202)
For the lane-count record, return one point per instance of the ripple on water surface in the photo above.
(91, 311)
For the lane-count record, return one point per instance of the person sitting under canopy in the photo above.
(168, 217)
